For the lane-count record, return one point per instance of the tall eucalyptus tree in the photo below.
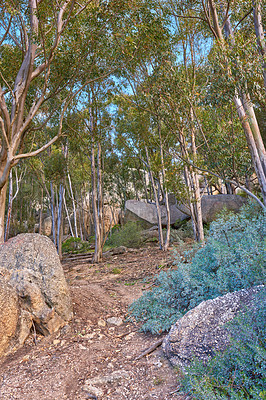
(31, 35)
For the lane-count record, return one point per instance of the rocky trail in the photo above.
(96, 355)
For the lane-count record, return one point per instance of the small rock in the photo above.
(117, 321)
(25, 358)
(101, 322)
(82, 347)
(66, 329)
(128, 337)
(157, 363)
(56, 341)
(92, 390)
(119, 250)
(102, 380)
(90, 335)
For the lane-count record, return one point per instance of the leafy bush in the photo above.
(232, 259)
(129, 235)
(240, 372)
(75, 245)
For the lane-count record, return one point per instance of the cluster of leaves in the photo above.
(240, 372)
(55, 166)
(232, 259)
(129, 235)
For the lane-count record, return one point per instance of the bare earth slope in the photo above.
(95, 356)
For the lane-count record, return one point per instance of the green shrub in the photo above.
(232, 259)
(129, 235)
(240, 372)
(75, 245)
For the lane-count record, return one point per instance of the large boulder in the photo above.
(34, 284)
(147, 215)
(201, 332)
(213, 205)
(15, 321)
(9, 313)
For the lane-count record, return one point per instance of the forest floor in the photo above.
(95, 357)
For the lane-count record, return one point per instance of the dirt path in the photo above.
(95, 356)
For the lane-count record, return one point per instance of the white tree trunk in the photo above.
(244, 107)
(3, 191)
(166, 243)
(260, 35)
(60, 220)
(10, 202)
(157, 205)
(52, 206)
(97, 257)
(74, 206)
(68, 218)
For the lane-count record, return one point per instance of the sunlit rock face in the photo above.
(35, 289)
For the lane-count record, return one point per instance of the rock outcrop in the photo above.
(146, 213)
(201, 332)
(211, 206)
(34, 286)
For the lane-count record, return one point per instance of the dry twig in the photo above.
(150, 349)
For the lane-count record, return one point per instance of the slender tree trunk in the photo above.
(41, 212)
(260, 35)
(158, 211)
(190, 191)
(80, 227)
(10, 202)
(79, 213)
(100, 192)
(256, 161)
(74, 205)
(52, 205)
(192, 182)
(60, 220)
(3, 191)
(68, 217)
(195, 180)
(249, 109)
(85, 235)
(168, 215)
(86, 215)
(97, 257)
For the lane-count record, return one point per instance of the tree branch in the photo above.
(6, 32)
(226, 14)
(189, 17)
(242, 19)
(36, 152)
(4, 109)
